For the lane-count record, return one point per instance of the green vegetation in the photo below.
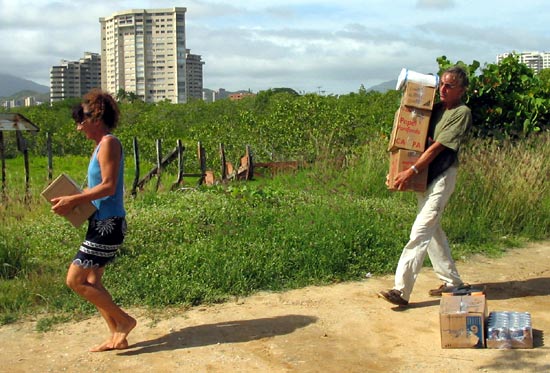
(321, 225)
(333, 220)
(508, 100)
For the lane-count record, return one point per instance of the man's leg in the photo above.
(442, 260)
(431, 205)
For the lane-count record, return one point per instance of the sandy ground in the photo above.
(338, 328)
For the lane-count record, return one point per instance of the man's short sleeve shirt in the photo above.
(450, 126)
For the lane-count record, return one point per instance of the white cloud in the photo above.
(301, 44)
(435, 4)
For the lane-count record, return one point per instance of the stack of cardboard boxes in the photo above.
(410, 127)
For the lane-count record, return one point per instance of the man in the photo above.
(449, 123)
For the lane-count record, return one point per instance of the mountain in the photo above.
(384, 87)
(10, 85)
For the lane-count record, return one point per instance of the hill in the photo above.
(384, 87)
(11, 85)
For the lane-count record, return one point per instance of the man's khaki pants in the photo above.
(427, 236)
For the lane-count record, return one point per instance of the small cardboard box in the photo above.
(410, 129)
(64, 185)
(401, 160)
(418, 96)
(462, 321)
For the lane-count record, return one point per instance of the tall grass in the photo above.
(504, 189)
(326, 223)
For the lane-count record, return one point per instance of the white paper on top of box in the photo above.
(407, 75)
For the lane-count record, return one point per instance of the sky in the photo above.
(322, 46)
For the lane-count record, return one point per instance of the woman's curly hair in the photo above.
(103, 106)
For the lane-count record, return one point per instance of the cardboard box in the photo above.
(462, 321)
(410, 129)
(401, 160)
(64, 185)
(418, 96)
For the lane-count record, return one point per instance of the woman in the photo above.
(96, 117)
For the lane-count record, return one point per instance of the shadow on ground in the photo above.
(515, 289)
(224, 332)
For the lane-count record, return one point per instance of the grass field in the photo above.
(325, 223)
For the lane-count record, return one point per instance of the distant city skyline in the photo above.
(535, 60)
(306, 45)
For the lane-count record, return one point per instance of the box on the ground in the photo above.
(64, 185)
(506, 329)
(462, 321)
(402, 159)
(410, 129)
(418, 95)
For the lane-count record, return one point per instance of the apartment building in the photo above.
(144, 51)
(75, 78)
(535, 60)
(194, 75)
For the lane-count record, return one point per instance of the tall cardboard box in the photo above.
(418, 95)
(410, 129)
(401, 160)
(462, 321)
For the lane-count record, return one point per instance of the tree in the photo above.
(544, 76)
(507, 99)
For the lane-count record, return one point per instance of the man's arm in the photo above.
(421, 164)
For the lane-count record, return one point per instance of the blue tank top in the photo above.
(110, 206)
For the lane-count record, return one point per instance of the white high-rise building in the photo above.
(535, 60)
(143, 52)
(75, 78)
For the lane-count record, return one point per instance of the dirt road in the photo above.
(339, 328)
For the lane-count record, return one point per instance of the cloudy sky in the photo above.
(332, 46)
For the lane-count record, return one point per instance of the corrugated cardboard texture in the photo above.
(462, 321)
(419, 96)
(410, 129)
(63, 185)
(401, 160)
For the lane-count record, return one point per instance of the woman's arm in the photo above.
(108, 156)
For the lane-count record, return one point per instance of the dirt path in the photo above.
(339, 328)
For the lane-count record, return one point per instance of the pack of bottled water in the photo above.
(507, 329)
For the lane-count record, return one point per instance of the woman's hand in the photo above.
(62, 205)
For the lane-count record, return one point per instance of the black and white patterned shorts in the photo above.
(103, 239)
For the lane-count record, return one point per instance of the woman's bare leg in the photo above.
(87, 283)
(94, 278)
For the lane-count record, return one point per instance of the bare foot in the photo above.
(119, 340)
(122, 345)
(108, 345)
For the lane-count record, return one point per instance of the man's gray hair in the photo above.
(460, 74)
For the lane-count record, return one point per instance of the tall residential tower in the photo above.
(193, 65)
(75, 78)
(535, 60)
(143, 51)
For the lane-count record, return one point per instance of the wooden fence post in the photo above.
(3, 158)
(202, 162)
(22, 146)
(180, 148)
(50, 155)
(159, 163)
(136, 164)
(224, 166)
